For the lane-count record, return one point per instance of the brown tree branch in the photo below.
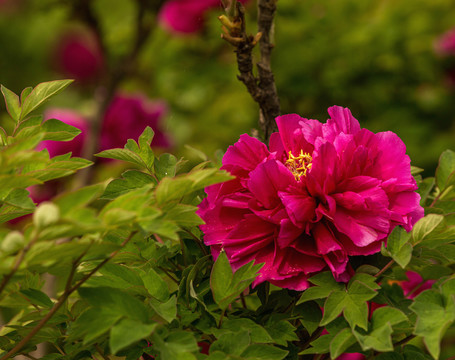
(261, 88)
(62, 299)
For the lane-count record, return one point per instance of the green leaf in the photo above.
(379, 337)
(341, 342)
(41, 93)
(127, 332)
(116, 300)
(165, 166)
(445, 168)
(398, 246)
(177, 346)
(325, 284)
(122, 154)
(26, 92)
(353, 304)
(59, 131)
(20, 198)
(425, 187)
(434, 316)
(425, 226)
(145, 151)
(233, 343)
(167, 310)
(257, 333)
(78, 198)
(263, 352)
(131, 179)
(281, 331)
(225, 285)
(12, 103)
(92, 324)
(155, 285)
(310, 315)
(37, 297)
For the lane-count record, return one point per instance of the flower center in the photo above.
(299, 165)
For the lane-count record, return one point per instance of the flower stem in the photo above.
(384, 269)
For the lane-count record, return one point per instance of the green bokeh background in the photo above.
(374, 56)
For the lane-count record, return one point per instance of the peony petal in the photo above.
(247, 153)
(267, 179)
(342, 120)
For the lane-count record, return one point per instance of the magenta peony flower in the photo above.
(126, 118)
(78, 55)
(187, 16)
(322, 193)
(74, 146)
(445, 44)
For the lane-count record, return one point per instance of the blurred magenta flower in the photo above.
(322, 193)
(74, 146)
(352, 356)
(445, 44)
(78, 55)
(414, 285)
(187, 16)
(126, 118)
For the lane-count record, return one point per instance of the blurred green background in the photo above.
(376, 57)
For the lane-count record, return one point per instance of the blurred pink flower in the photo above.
(445, 44)
(78, 55)
(414, 285)
(187, 16)
(74, 146)
(126, 118)
(322, 193)
(352, 356)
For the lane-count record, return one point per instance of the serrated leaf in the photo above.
(127, 332)
(12, 103)
(165, 166)
(131, 179)
(57, 130)
(41, 93)
(281, 332)
(20, 198)
(122, 154)
(37, 297)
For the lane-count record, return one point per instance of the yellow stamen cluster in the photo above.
(299, 165)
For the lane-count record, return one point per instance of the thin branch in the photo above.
(384, 269)
(404, 341)
(198, 241)
(262, 88)
(270, 109)
(62, 299)
(168, 274)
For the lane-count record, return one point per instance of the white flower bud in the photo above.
(13, 242)
(46, 214)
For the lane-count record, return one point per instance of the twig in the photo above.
(262, 88)
(404, 341)
(168, 274)
(198, 241)
(62, 299)
(384, 269)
